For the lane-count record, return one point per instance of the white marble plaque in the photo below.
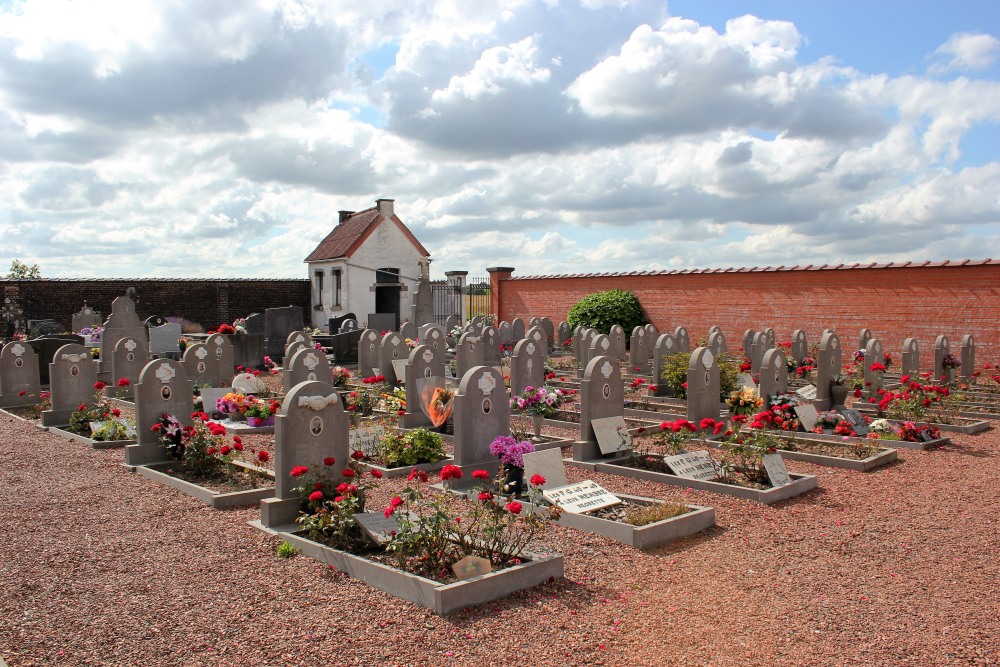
(548, 464)
(366, 439)
(612, 434)
(693, 465)
(377, 526)
(399, 366)
(776, 470)
(807, 415)
(806, 393)
(582, 497)
(746, 380)
(857, 421)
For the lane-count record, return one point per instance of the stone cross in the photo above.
(703, 399)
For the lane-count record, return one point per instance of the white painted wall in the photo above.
(386, 247)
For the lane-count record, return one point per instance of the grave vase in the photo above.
(514, 483)
(260, 421)
(838, 393)
(536, 425)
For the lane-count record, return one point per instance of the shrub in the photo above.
(675, 368)
(602, 310)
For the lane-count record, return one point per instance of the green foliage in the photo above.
(602, 310)
(675, 368)
(286, 550)
(20, 270)
(410, 448)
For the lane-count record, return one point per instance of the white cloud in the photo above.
(966, 51)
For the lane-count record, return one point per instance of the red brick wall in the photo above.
(895, 303)
(207, 302)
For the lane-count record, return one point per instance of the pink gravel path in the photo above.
(895, 567)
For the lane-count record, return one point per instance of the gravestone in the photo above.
(748, 336)
(72, 374)
(470, 328)
(517, 329)
(586, 349)
(910, 363)
(424, 373)
(808, 415)
(717, 342)
(770, 340)
(712, 329)
(294, 347)
(863, 338)
(800, 346)
(391, 349)
(433, 336)
(773, 374)
(703, 386)
(422, 310)
(968, 357)
(873, 354)
(196, 365)
(368, 351)
(312, 426)
(248, 350)
(121, 323)
(681, 339)
(336, 324)
(479, 322)
(468, 355)
(652, 333)
(163, 388)
(86, 317)
(221, 359)
(128, 360)
(248, 383)
(565, 334)
(578, 350)
(19, 372)
(601, 396)
(278, 324)
(640, 351)
(618, 343)
(255, 323)
(348, 326)
(758, 346)
(693, 465)
(482, 413)
(38, 328)
(527, 366)
(408, 330)
(504, 332)
(306, 365)
(550, 332)
(829, 365)
(163, 339)
(600, 346)
(298, 337)
(941, 348)
(154, 321)
(450, 323)
(665, 346)
(549, 464)
(491, 346)
(45, 351)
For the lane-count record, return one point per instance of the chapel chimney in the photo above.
(344, 215)
(384, 207)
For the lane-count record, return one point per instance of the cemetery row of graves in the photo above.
(478, 422)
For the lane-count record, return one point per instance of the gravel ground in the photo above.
(894, 567)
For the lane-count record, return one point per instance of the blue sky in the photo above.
(149, 138)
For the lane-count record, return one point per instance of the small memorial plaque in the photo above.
(693, 465)
(582, 497)
(366, 439)
(808, 416)
(377, 526)
(548, 464)
(612, 434)
(746, 380)
(857, 421)
(807, 393)
(776, 470)
(399, 367)
(472, 566)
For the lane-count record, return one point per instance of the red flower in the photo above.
(237, 443)
(211, 451)
(342, 487)
(480, 474)
(514, 507)
(450, 472)
(401, 412)
(393, 504)
(329, 461)
(156, 427)
(486, 496)
(417, 474)
(347, 472)
(225, 450)
(22, 393)
(123, 382)
(537, 480)
(263, 456)
(81, 407)
(706, 423)
(857, 393)
(357, 455)
(99, 385)
(316, 496)
(298, 471)
(256, 374)
(377, 474)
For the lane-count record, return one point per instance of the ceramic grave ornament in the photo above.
(196, 365)
(368, 350)
(392, 352)
(863, 338)
(773, 374)
(618, 343)
(527, 365)
(703, 386)
(941, 349)
(800, 346)
(311, 427)
(72, 375)
(665, 347)
(19, 373)
(306, 365)
(517, 329)
(717, 342)
(122, 322)
(491, 347)
(130, 357)
(640, 351)
(873, 355)
(910, 362)
(424, 373)
(602, 396)
(968, 357)
(482, 413)
(469, 354)
(163, 388)
(828, 366)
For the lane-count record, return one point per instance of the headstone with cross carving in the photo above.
(601, 397)
(130, 357)
(469, 354)
(424, 373)
(703, 398)
(482, 413)
(163, 388)
(20, 381)
(122, 322)
(72, 375)
(527, 365)
(910, 362)
(306, 365)
(392, 349)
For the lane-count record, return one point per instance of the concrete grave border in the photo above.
(153, 471)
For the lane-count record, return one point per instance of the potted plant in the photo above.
(261, 413)
(511, 454)
(540, 402)
(839, 389)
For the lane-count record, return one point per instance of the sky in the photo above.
(164, 138)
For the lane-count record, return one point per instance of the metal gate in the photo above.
(477, 297)
(447, 297)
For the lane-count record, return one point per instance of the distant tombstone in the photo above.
(857, 421)
(248, 350)
(714, 328)
(292, 348)
(45, 351)
(863, 338)
(565, 334)
(717, 343)
(37, 328)
(298, 337)
(550, 332)
(408, 330)
(800, 346)
(482, 412)
(527, 365)
(424, 373)
(910, 362)
(479, 322)
(703, 386)
(586, 349)
(348, 326)
(639, 351)
(433, 336)
(758, 346)
(770, 341)
(311, 426)
(336, 324)
(600, 346)
(652, 333)
(491, 346)
(163, 339)
(829, 364)
(19, 373)
(391, 349)
(248, 383)
(773, 374)
(517, 329)
(470, 328)
(941, 348)
(504, 332)
(681, 339)
(368, 349)
(278, 324)
(306, 365)
(968, 352)
(873, 354)
(255, 323)
(155, 321)
(86, 317)
(72, 375)
(221, 359)
(618, 343)
(748, 341)
(450, 323)
(196, 365)
(121, 323)
(602, 395)
(534, 322)
(665, 346)
(129, 358)
(578, 351)
(549, 464)
(468, 354)
(163, 388)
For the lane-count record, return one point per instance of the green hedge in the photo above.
(602, 310)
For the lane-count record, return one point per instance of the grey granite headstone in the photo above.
(682, 339)
(829, 364)
(748, 336)
(278, 323)
(773, 374)
(408, 330)
(770, 341)
(469, 354)
(640, 350)
(600, 346)
(586, 349)
(800, 346)
(86, 317)
(863, 338)
(72, 375)
(312, 426)
(391, 348)
(504, 332)
(292, 348)
(665, 347)
(221, 359)
(128, 360)
(248, 350)
(873, 354)
(565, 334)
(968, 359)
(255, 324)
(758, 346)
(298, 337)
(306, 365)
(450, 323)
(550, 332)
(368, 351)
(479, 322)
(348, 325)
(717, 341)
(163, 339)
(703, 386)
(910, 362)
(122, 322)
(424, 368)
(196, 365)
(45, 351)
(482, 412)
(941, 348)
(19, 372)
(433, 336)
(527, 365)
(601, 395)
(163, 388)
(517, 329)
(491, 346)
(618, 342)
(652, 333)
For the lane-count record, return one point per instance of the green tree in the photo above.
(20, 270)
(601, 310)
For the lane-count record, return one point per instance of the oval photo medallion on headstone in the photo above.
(74, 371)
(218, 352)
(201, 366)
(708, 377)
(130, 356)
(395, 354)
(311, 377)
(316, 425)
(372, 347)
(19, 362)
(487, 406)
(165, 393)
(427, 373)
(607, 391)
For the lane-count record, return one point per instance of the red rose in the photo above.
(298, 471)
(357, 455)
(417, 474)
(123, 382)
(480, 474)
(211, 451)
(316, 496)
(225, 450)
(377, 474)
(486, 496)
(329, 461)
(857, 393)
(81, 407)
(263, 456)
(514, 507)
(22, 393)
(347, 472)
(99, 385)
(537, 480)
